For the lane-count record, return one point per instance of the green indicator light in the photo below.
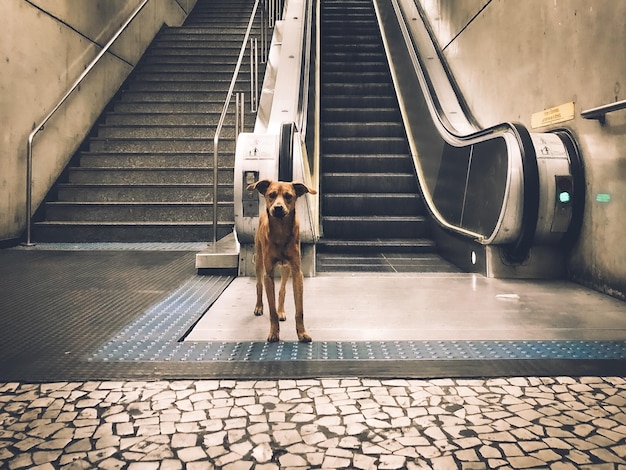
(564, 197)
(603, 197)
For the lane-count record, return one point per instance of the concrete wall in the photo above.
(514, 58)
(44, 47)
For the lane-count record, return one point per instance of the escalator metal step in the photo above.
(370, 196)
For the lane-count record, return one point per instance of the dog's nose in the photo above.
(279, 211)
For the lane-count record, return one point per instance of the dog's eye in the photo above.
(273, 195)
(288, 196)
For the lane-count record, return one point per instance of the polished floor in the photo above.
(422, 307)
(123, 357)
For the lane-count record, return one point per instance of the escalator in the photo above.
(505, 201)
(502, 201)
(400, 164)
(371, 202)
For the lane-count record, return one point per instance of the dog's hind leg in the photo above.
(260, 272)
(284, 277)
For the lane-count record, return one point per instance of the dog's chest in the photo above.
(283, 251)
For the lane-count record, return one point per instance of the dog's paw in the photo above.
(304, 338)
(282, 316)
(273, 338)
(258, 311)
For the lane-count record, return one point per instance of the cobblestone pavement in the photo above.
(527, 422)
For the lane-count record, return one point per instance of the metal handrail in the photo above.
(272, 9)
(600, 112)
(220, 124)
(40, 126)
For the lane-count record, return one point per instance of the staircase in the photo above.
(146, 173)
(371, 201)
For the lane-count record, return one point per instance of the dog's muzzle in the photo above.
(279, 212)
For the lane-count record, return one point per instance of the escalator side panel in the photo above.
(448, 195)
(486, 186)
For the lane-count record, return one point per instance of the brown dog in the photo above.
(277, 241)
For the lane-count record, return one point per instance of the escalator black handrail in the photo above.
(285, 151)
(456, 138)
(518, 249)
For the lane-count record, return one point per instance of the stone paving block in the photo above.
(191, 454)
(335, 462)
(292, 460)
(523, 422)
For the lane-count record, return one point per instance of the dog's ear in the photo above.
(260, 186)
(302, 189)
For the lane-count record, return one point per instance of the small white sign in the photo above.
(562, 113)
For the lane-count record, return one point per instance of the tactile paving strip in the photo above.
(156, 333)
(157, 336)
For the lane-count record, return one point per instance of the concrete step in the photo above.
(215, 84)
(207, 60)
(200, 40)
(156, 160)
(131, 232)
(94, 211)
(173, 107)
(161, 119)
(146, 172)
(197, 131)
(194, 54)
(174, 68)
(158, 145)
(143, 192)
(222, 74)
(188, 35)
(83, 175)
(215, 96)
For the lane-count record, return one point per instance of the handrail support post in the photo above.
(254, 74)
(215, 195)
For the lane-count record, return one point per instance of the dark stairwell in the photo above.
(371, 203)
(146, 173)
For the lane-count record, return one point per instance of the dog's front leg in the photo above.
(284, 277)
(260, 272)
(298, 289)
(268, 280)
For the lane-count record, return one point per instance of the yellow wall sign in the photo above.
(564, 112)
